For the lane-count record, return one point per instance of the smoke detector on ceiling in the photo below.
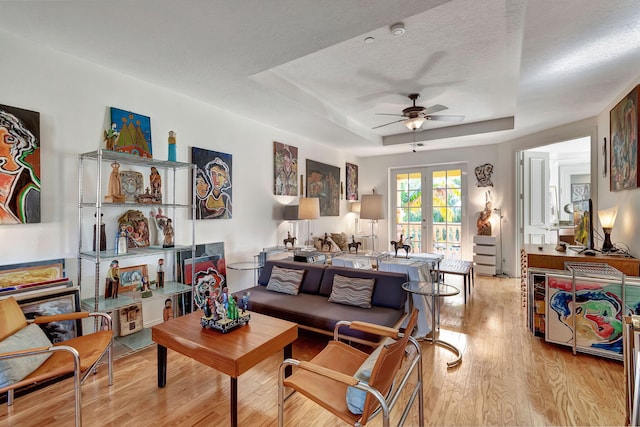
(397, 30)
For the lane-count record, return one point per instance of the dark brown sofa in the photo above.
(311, 308)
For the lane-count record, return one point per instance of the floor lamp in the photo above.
(308, 209)
(372, 208)
(501, 274)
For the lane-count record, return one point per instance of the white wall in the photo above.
(73, 98)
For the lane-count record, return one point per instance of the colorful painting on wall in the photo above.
(213, 183)
(285, 169)
(19, 166)
(624, 143)
(323, 181)
(132, 132)
(352, 181)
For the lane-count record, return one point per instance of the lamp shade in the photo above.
(355, 207)
(414, 123)
(309, 208)
(608, 217)
(372, 207)
(290, 213)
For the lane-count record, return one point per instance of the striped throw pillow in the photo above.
(285, 280)
(352, 291)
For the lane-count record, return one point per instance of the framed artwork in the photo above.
(66, 301)
(137, 228)
(20, 172)
(208, 269)
(323, 181)
(624, 143)
(131, 277)
(581, 222)
(213, 183)
(132, 132)
(285, 169)
(132, 184)
(22, 275)
(580, 192)
(352, 181)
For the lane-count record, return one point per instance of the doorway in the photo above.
(548, 177)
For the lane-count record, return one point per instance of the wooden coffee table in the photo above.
(232, 353)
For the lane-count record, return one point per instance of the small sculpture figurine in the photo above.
(156, 185)
(160, 221)
(222, 313)
(325, 242)
(110, 137)
(168, 234)
(206, 305)
(167, 311)
(160, 274)
(172, 146)
(289, 239)
(122, 238)
(145, 284)
(400, 244)
(354, 244)
(245, 302)
(113, 280)
(114, 188)
(232, 308)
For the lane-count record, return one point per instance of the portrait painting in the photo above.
(285, 169)
(49, 305)
(352, 181)
(323, 182)
(213, 183)
(624, 143)
(19, 166)
(132, 133)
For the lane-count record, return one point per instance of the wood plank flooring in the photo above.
(507, 378)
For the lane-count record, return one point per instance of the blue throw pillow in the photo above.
(356, 397)
(15, 369)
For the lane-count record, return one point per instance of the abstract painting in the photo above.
(48, 305)
(323, 181)
(213, 183)
(207, 270)
(352, 181)
(285, 169)
(624, 143)
(598, 312)
(19, 166)
(132, 132)
(24, 274)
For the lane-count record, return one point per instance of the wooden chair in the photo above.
(327, 377)
(79, 356)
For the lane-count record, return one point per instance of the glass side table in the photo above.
(432, 292)
(247, 265)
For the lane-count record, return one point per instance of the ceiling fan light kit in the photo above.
(414, 123)
(416, 115)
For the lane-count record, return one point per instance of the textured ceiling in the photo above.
(303, 66)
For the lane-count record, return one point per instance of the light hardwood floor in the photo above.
(507, 377)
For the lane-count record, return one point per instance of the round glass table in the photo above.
(432, 292)
(247, 265)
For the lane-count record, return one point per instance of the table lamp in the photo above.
(355, 208)
(372, 208)
(308, 209)
(607, 219)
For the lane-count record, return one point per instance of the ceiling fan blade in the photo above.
(434, 109)
(390, 123)
(445, 118)
(389, 114)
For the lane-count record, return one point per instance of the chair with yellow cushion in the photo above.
(354, 385)
(27, 356)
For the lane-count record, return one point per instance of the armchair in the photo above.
(27, 356)
(336, 378)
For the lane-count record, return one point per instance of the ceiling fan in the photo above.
(414, 117)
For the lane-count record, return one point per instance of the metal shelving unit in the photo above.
(92, 204)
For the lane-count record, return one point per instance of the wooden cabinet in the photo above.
(545, 256)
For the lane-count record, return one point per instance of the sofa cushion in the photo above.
(11, 317)
(15, 369)
(285, 280)
(387, 291)
(352, 291)
(310, 281)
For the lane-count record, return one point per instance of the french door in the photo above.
(429, 211)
